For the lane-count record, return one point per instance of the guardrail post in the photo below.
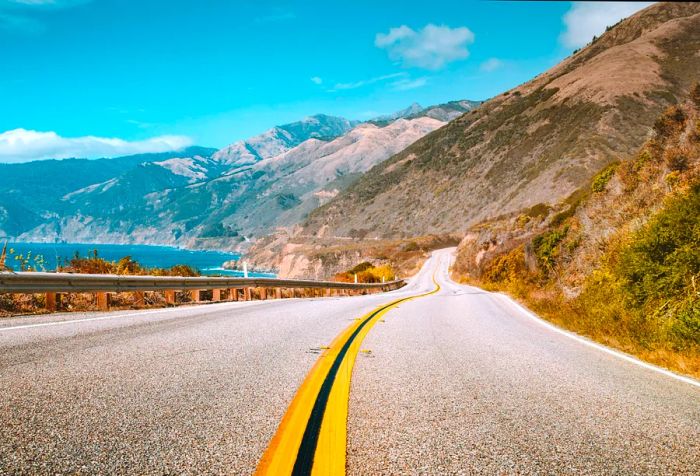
(102, 301)
(139, 298)
(216, 295)
(233, 294)
(246, 294)
(278, 293)
(52, 300)
(170, 296)
(197, 295)
(328, 292)
(263, 294)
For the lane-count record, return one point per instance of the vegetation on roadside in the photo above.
(366, 272)
(623, 264)
(94, 264)
(12, 304)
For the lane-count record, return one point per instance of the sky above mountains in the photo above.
(113, 77)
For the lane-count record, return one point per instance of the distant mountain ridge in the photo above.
(202, 197)
(280, 139)
(442, 112)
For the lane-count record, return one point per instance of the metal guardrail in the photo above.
(32, 282)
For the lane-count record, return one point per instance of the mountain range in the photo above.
(202, 197)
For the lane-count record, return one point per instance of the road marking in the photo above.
(600, 347)
(312, 436)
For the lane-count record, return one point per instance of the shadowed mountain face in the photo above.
(203, 197)
(534, 144)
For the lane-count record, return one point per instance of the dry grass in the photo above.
(588, 265)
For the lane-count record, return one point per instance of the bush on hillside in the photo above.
(663, 259)
(602, 178)
(669, 121)
(547, 247)
(367, 273)
(94, 264)
(676, 159)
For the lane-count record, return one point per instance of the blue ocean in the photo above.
(207, 262)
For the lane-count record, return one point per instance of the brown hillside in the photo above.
(534, 144)
(619, 260)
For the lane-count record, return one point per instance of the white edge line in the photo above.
(600, 347)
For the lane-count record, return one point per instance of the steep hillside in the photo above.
(534, 144)
(618, 260)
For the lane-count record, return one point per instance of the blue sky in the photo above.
(106, 77)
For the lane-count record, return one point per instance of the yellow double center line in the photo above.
(312, 436)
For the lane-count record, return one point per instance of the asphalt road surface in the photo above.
(457, 382)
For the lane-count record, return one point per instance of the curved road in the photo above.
(458, 382)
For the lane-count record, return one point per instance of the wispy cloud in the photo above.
(22, 145)
(365, 82)
(316, 80)
(17, 15)
(586, 19)
(405, 84)
(491, 64)
(431, 47)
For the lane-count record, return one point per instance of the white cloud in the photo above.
(586, 19)
(431, 47)
(405, 84)
(21, 145)
(316, 80)
(365, 82)
(491, 64)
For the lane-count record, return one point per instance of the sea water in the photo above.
(207, 262)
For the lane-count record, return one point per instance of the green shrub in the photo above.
(663, 259)
(364, 266)
(411, 246)
(602, 178)
(546, 247)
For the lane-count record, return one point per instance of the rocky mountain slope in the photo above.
(534, 144)
(280, 139)
(201, 197)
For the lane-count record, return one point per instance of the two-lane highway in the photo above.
(459, 381)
